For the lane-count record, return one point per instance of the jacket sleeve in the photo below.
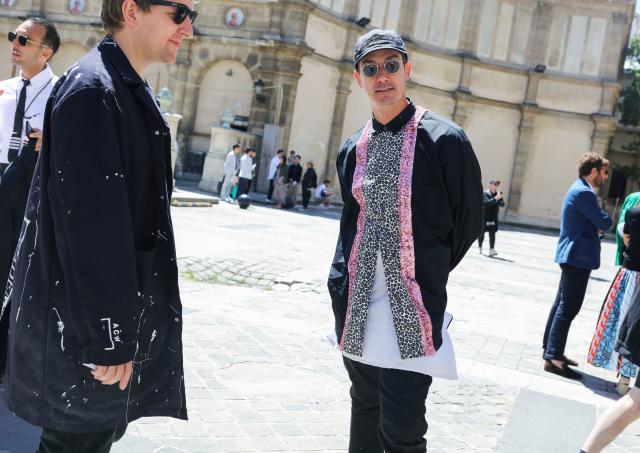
(461, 173)
(92, 224)
(587, 204)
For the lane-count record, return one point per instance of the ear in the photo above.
(358, 77)
(47, 53)
(407, 70)
(130, 11)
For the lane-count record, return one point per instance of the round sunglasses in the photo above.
(372, 69)
(181, 12)
(23, 40)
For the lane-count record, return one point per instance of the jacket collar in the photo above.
(110, 49)
(396, 124)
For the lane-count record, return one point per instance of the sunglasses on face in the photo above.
(372, 69)
(181, 12)
(23, 40)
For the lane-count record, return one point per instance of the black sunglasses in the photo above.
(181, 13)
(372, 69)
(23, 40)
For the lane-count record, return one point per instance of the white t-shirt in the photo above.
(246, 166)
(321, 188)
(273, 166)
(381, 344)
(38, 92)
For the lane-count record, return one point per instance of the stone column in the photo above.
(470, 27)
(605, 127)
(343, 89)
(174, 120)
(523, 154)
(540, 31)
(461, 110)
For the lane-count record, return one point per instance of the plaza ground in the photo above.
(261, 375)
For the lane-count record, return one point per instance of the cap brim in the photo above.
(380, 47)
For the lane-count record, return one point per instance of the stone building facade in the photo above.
(474, 61)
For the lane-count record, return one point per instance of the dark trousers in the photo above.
(492, 239)
(270, 189)
(58, 442)
(571, 291)
(4, 337)
(306, 196)
(387, 409)
(243, 186)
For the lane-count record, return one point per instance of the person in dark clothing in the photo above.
(309, 182)
(627, 409)
(25, 95)
(95, 312)
(412, 194)
(577, 253)
(493, 201)
(294, 177)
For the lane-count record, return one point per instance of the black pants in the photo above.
(270, 189)
(387, 409)
(58, 442)
(571, 291)
(306, 196)
(4, 337)
(492, 239)
(243, 186)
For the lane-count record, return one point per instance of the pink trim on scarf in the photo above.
(407, 249)
(356, 190)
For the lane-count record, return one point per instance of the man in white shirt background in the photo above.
(22, 101)
(273, 166)
(230, 169)
(246, 171)
(24, 98)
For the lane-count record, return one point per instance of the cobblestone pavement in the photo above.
(262, 376)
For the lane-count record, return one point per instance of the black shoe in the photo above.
(569, 361)
(565, 371)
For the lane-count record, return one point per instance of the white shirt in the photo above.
(38, 92)
(381, 344)
(230, 164)
(273, 166)
(246, 166)
(321, 188)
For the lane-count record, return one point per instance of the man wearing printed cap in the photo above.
(412, 197)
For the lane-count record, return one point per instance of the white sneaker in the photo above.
(492, 252)
(267, 200)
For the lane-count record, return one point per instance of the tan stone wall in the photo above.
(472, 60)
(558, 144)
(311, 125)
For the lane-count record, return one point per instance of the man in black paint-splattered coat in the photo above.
(95, 282)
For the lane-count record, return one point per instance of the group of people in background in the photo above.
(238, 173)
(616, 340)
(286, 176)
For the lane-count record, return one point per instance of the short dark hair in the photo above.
(280, 151)
(235, 146)
(51, 37)
(111, 13)
(590, 161)
(326, 181)
(298, 156)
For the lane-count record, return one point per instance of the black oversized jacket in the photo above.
(95, 277)
(446, 204)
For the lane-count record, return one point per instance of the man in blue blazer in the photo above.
(578, 253)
